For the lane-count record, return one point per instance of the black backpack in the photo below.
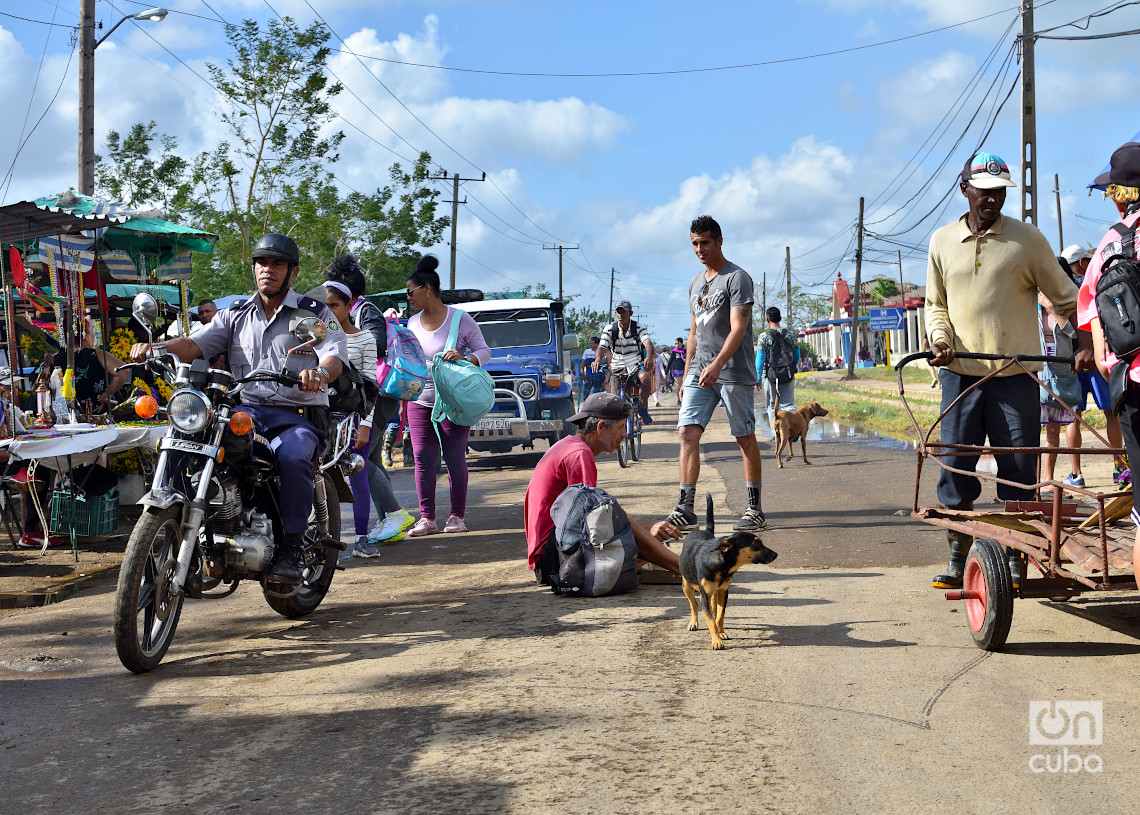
(352, 392)
(781, 358)
(1118, 297)
(634, 331)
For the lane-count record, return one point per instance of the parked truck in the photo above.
(533, 373)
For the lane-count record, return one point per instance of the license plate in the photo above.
(183, 445)
(493, 424)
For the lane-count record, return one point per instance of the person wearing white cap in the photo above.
(1078, 258)
(601, 428)
(983, 275)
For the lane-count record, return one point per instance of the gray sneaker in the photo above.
(751, 521)
(365, 549)
(682, 519)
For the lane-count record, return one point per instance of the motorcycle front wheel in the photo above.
(146, 611)
(318, 577)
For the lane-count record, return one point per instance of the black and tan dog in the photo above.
(792, 425)
(707, 566)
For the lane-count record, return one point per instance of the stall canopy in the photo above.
(28, 220)
(137, 248)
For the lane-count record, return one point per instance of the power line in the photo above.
(38, 22)
(424, 124)
(781, 61)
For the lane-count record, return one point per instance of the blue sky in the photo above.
(778, 153)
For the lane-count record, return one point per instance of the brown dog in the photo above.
(793, 425)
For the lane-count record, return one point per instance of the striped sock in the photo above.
(754, 495)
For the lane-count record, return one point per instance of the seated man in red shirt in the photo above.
(601, 428)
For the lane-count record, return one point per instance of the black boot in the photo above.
(287, 569)
(959, 548)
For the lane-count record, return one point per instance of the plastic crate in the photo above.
(89, 517)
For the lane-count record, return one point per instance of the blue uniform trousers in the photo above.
(294, 442)
(1008, 410)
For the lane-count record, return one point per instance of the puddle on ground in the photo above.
(824, 430)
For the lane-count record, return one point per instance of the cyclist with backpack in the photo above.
(627, 348)
(1117, 255)
(777, 358)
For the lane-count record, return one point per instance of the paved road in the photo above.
(441, 679)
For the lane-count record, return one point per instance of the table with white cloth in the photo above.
(65, 447)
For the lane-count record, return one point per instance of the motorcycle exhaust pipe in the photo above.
(351, 463)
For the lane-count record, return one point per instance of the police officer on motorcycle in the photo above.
(257, 333)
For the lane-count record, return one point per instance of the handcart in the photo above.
(1064, 547)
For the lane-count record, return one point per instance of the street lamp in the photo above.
(87, 46)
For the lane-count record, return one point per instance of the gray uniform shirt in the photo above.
(250, 341)
(729, 288)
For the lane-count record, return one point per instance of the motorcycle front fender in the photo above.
(162, 498)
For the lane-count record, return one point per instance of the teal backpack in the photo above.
(464, 393)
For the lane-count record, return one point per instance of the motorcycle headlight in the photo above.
(189, 411)
(526, 389)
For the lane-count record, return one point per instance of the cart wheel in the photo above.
(986, 580)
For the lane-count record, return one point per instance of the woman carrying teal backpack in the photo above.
(432, 325)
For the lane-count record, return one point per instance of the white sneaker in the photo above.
(388, 528)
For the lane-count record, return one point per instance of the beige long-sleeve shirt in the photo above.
(981, 291)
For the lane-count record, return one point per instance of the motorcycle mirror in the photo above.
(310, 330)
(144, 308)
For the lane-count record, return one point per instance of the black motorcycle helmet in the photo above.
(274, 245)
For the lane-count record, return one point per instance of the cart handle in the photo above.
(1025, 358)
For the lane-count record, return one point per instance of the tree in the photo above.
(132, 174)
(806, 309)
(277, 106)
(273, 172)
(586, 322)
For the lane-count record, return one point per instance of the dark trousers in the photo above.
(1130, 426)
(295, 442)
(1007, 409)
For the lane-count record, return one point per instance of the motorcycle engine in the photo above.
(252, 549)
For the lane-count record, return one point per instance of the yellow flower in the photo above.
(120, 345)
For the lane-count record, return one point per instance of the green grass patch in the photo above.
(881, 410)
(883, 413)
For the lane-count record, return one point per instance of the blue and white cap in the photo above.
(986, 172)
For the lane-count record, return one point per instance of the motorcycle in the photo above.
(212, 517)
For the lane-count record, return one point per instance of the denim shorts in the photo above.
(698, 404)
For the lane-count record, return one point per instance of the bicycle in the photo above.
(628, 388)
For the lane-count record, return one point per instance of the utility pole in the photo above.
(611, 311)
(855, 298)
(455, 202)
(764, 294)
(86, 181)
(1028, 119)
(560, 250)
(1057, 195)
(788, 269)
(902, 286)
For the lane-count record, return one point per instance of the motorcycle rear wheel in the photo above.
(146, 614)
(317, 579)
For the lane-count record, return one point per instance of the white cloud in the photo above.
(923, 93)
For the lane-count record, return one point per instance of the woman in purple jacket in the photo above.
(431, 325)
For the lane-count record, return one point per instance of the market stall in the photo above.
(92, 257)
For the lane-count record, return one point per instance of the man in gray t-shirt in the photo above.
(720, 367)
